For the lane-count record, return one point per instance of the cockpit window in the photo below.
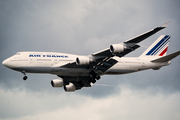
(17, 53)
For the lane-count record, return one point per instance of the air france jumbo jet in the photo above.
(75, 71)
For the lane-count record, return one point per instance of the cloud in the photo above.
(127, 104)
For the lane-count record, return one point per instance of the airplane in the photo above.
(77, 71)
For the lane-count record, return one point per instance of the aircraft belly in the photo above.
(123, 68)
(70, 71)
(56, 71)
(119, 71)
(33, 69)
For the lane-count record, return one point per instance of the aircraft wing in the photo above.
(131, 42)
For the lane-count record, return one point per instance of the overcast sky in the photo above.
(84, 27)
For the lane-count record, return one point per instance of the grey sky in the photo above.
(84, 27)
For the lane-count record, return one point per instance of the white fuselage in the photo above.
(52, 62)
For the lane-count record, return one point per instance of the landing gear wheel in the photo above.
(93, 81)
(97, 77)
(94, 75)
(25, 78)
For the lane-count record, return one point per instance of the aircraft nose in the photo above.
(8, 63)
(5, 62)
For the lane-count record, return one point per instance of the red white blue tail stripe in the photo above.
(159, 47)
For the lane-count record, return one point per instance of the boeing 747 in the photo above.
(76, 71)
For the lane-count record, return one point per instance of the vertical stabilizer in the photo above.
(158, 48)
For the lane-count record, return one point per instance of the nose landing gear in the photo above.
(25, 77)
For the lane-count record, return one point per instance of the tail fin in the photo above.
(158, 48)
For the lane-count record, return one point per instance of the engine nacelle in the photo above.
(116, 48)
(82, 60)
(70, 88)
(57, 83)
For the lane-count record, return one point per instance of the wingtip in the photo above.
(165, 24)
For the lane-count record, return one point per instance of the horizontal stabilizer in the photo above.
(167, 58)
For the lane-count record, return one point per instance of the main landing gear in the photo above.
(25, 77)
(94, 75)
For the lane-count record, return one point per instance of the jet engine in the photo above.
(82, 60)
(57, 83)
(116, 48)
(70, 88)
